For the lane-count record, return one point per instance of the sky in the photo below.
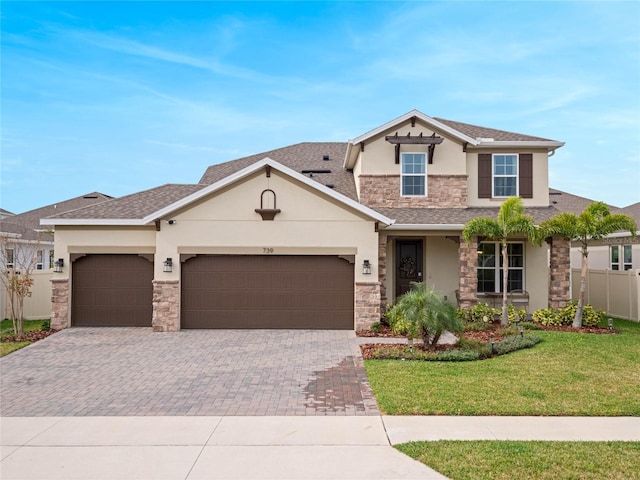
(119, 97)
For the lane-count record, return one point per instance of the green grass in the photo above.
(566, 374)
(507, 460)
(6, 328)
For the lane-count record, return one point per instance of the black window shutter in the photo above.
(484, 175)
(525, 170)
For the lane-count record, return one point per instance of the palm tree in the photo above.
(423, 311)
(594, 223)
(511, 221)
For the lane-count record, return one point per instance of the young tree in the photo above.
(594, 223)
(511, 221)
(18, 259)
(423, 311)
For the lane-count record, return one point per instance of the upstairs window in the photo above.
(621, 257)
(10, 256)
(505, 175)
(414, 173)
(490, 267)
(40, 260)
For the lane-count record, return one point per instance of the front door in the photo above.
(408, 264)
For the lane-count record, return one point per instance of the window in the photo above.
(413, 178)
(11, 257)
(490, 267)
(621, 257)
(51, 260)
(39, 260)
(505, 175)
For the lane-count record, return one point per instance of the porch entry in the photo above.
(408, 264)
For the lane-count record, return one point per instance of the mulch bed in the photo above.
(32, 336)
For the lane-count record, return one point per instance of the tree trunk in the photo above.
(577, 320)
(505, 277)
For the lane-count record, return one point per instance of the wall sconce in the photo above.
(57, 265)
(366, 267)
(168, 265)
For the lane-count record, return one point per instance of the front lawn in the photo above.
(33, 331)
(506, 460)
(566, 374)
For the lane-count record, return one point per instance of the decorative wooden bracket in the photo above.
(267, 213)
(268, 171)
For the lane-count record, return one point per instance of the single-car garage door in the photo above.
(112, 291)
(270, 291)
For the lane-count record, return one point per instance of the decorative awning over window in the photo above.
(431, 141)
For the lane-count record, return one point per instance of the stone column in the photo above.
(367, 304)
(382, 270)
(559, 273)
(59, 303)
(468, 273)
(166, 306)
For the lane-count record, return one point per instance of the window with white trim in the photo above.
(621, 257)
(39, 259)
(490, 267)
(51, 260)
(413, 179)
(505, 175)
(10, 256)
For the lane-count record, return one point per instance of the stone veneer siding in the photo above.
(559, 273)
(166, 306)
(468, 273)
(59, 303)
(367, 304)
(443, 191)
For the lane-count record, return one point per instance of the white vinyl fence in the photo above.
(615, 292)
(38, 305)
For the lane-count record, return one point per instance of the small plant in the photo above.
(46, 325)
(479, 313)
(376, 327)
(516, 315)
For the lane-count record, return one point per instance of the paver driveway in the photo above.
(133, 371)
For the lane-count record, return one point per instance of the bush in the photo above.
(516, 342)
(514, 315)
(376, 327)
(46, 325)
(404, 353)
(564, 316)
(479, 313)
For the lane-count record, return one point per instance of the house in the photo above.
(313, 235)
(28, 246)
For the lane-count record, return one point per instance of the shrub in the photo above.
(516, 315)
(479, 313)
(376, 327)
(516, 342)
(564, 316)
(46, 325)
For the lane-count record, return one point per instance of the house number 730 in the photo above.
(267, 250)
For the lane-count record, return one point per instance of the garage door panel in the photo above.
(112, 291)
(267, 292)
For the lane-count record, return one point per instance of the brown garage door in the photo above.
(243, 291)
(112, 291)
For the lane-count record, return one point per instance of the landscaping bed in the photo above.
(34, 330)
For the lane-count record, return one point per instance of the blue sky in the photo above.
(118, 97)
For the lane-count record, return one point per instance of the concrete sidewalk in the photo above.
(235, 447)
(193, 448)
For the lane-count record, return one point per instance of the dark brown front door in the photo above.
(408, 264)
(267, 291)
(112, 291)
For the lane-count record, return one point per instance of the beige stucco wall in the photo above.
(309, 223)
(540, 179)
(599, 257)
(38, 305)
(378, 157)
(537, 276)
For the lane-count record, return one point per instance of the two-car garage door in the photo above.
(270, 291)
(219, 291)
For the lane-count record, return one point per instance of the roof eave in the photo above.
(426, 226)
(93, 221)
(550, 144)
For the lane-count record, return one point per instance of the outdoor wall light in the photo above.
(168, 265)
(610, 324)
(57, 265)
(366, 267)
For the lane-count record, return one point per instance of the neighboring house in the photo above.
(5, 213)
(314, 235)
(27, 244)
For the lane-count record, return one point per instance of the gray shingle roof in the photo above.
(27, 223)
(634, 211)
(568, 202)
(475, 131)
(298, 157)
(455, 216)
(134, 206)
